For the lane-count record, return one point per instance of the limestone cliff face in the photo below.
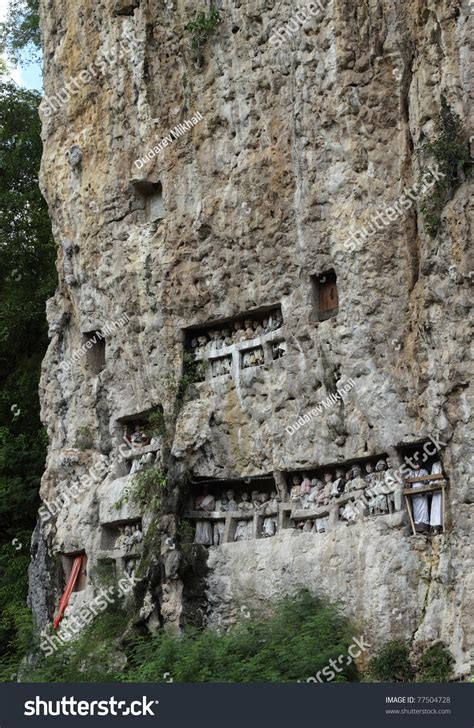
(298, 145)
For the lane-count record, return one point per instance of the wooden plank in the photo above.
(425, 489)
(419, 478)
(408, 504)
(443, 498)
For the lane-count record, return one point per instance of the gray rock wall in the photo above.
(298, 146)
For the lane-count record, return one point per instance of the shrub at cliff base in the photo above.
(295, 643)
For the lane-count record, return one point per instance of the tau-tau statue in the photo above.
(232, 503)
(436, 512)
(357, 482)
(243, 530)
(219, 527)
(131, 567)
(420, 502)
(295, 489)
(204, 530)
(202, 341)
(222, 503)
(381, 503)
(279, 349)
(226, 337)
(370, 477)
(119, 541)
(270, 523)
(339, 484)
(245, 504)
(327, 486)
(249, 332)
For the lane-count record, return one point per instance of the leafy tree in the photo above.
(20, 36)
(27, 279)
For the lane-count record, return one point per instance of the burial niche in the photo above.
(326, 295)
(425, 487)
(228, 511)
(252, 357)
(74, 568)
(152, 193)
(95, 350)
(122, 537)
(141, 435)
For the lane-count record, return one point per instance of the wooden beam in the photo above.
(419, 478)
(443, 503)
(408, 504)
(420, 491)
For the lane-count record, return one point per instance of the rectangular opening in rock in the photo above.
(425, 487)
(122, 535)
(279, 349)
(221, 366)
(316, 487)
(252, 357)
(67, 564)
(326, 294)
(234, 509)
(206, 340)
(95, 350)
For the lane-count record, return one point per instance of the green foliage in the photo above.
(156, 425)
(185, 533)
(450, 150)
(203, 27)
(192, 373)
(91, 658)
(104, 575)
(145, 490)
(435, 664)
(27, 279)
(85, 438)
(294, 644)
(20, 36)
(392, 663)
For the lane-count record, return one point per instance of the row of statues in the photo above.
(128, 537)
(311, 493)
(235, 333)
(211, 533)
(382, 494)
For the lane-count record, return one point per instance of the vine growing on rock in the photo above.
(202, 27)
(146, 489)
(449, 149)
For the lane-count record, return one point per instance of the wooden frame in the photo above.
(407, 492)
